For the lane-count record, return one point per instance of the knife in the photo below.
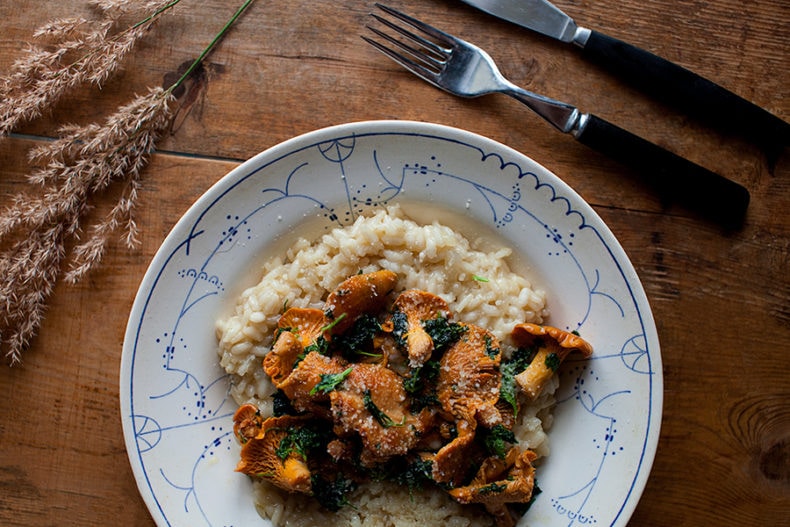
(650, 73)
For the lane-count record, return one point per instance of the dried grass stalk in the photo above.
(36, 229)
(73, 52)
(84, 161)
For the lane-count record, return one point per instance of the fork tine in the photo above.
(418, 54)
(418, 69)
(439, 35)
(428, 45)
(426, 57)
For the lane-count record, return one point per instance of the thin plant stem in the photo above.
(217, 38)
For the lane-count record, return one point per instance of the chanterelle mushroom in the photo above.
(469, 377)
(499, 482)
(450, 463)
(553, 346)
(298, 328)
(373, 404)
(357, 295)
(247, 422)
(300, 385)
(262, 456)
(419, 306)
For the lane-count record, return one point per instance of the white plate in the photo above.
(175, 405)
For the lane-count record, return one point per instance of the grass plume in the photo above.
(82, 162)
(72, 52)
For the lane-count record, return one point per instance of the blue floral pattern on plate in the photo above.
(175, 405)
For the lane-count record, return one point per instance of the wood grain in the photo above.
(721, 300)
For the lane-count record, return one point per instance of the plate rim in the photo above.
(247, 169)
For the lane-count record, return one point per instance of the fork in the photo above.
(465, 70)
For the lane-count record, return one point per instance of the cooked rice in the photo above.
(432, 258)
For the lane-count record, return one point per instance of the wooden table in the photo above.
(721, 300)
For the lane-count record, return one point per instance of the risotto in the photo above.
(480, 289)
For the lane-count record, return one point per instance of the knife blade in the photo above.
(654, 75)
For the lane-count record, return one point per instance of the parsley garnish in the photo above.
(329, 381)
(333, 323)
(383, 419)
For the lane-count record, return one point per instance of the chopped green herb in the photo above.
(358, 339)
(332, 495)
(282, 404)
(280, 331)
(420, 386)
(420, 401)
(443, 332)
(491, 351)
(329, 381)
(400, 326)
(383, 419)
(334, 323)
(321, 345)
(479, 278)
(369, 354)
(497, 440)
(299, 440)
(492, 488)
(299, 358)
(552, 361)
(414, 475)
(520, 359)
(416, 381)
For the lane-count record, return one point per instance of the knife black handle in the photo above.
(674, 178)
(687, 91)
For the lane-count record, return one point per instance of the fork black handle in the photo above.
(675, 179)
(687, 91)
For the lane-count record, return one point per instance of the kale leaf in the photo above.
(414, 475)
(358, 339)
(443, 332)
(400, 326)
(300, 440)
(491, 351)
(282, 404)
(321, 345)
(415, 382)
(497, 440)
(520, 359)
(552, 361)
(332, 494)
